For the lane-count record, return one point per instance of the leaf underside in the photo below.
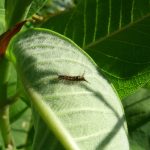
(90, 111)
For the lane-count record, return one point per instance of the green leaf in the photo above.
(1, 143)
(12, 82)
(137, 112)
(139, 139)
(20, 128)
(17, 109)
(36, 5)
(137, 108)
(2, 16)
(16, 11)
(78, 114)
(115, 34)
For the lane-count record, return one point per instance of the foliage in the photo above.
(137, 113)
(71, 74)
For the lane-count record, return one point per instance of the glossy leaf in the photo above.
(67, 114)
(115, 33)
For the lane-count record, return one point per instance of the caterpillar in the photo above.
(72, 78)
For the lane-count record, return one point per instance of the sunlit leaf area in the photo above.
(74, 75)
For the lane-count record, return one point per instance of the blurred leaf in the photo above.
(12, 82)
(115, 33)
(21, 127)
(54, 6)
(140, 139)
(17, 109)
(1, 143)
(36, 5)
(137, 112)
(2, 16)
(77, 114)
(137, 109)
(20, 118)
(29, 139)
(16, 11)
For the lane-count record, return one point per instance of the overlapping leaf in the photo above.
(17, 10)
(116, 35)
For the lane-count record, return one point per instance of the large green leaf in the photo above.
(75, 114)
(116, 34)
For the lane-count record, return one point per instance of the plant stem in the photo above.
(52, 121)
(5, 128)
(4, 108)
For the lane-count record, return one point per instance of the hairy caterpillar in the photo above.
(72, 78)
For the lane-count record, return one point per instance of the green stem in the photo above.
(5, 128)
(4, 109)
(52, 121)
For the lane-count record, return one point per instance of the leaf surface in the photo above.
(137, 112)
(75, 114)
(16, 11)
(20, 129)
(115, 33)
(137, 108)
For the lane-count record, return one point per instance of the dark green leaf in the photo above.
(139, 139)
(116, 34)
(137, 109)
(20, 129)
(137, 112)
(16, 11)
